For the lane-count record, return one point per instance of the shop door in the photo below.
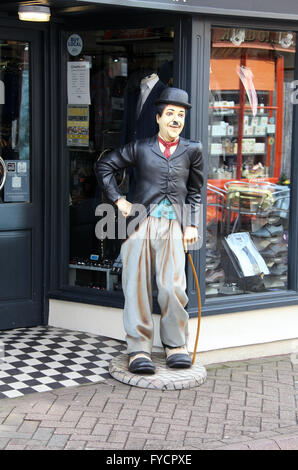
(21, 196)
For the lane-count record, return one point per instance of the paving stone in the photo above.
(86, 422)
(288, 430)
(194, 442)
(15, 434)
(57, 424)
(8, 428)
(287, 442)
(18, 442)
(14, 419)
(234, 447)
(43, 434)
(69, 431)
(118, 436)
(102, 429)
(143, 421)
(40, 417)
(263, 444)
(80, 436)
(127, 414)
(15, 447)
(3, 442)
(29, 426)
(135, 444)
(104, 446)
(75, 445)
(71, 415)
(58, 441)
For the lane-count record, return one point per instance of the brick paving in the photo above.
(244, 405)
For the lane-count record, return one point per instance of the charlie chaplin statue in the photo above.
(169, 177)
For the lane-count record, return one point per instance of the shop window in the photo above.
(105, 70)
(249, 161)
(14, 122)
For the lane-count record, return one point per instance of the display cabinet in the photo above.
(245, 124)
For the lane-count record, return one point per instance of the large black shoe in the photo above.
(141, 364)
(178, 358)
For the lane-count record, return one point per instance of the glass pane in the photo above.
(249, 162)
(15, 120)
(115, 63)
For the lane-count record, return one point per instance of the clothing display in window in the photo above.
(139, 120)
(100, 95)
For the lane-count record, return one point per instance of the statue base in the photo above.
(165, 378)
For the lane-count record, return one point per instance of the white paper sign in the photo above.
(250, 260)
(16, 182)
(78, 82)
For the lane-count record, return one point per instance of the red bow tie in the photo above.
(168, 145)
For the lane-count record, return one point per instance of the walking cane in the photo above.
(199, 307)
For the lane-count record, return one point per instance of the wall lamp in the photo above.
(34, 13)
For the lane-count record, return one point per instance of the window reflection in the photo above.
(249, 169)
(15, 120)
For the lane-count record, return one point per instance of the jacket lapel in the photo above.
(182, 146)
(152, 97)
(155, 147)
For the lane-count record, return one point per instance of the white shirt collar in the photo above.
(150, 84)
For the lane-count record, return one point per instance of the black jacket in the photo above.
(179, 177)
(145, 125)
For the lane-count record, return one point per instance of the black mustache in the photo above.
(175, 123)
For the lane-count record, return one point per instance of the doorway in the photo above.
(21, 198)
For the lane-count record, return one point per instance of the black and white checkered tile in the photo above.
(44, 358)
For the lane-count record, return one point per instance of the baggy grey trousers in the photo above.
(155, 248)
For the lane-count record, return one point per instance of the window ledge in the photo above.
(212, 306)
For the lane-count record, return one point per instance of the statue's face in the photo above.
(171, 122)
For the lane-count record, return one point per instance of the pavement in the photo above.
(243, 405)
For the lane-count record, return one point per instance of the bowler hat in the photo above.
(175, 96)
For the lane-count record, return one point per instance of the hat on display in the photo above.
(174, 96)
